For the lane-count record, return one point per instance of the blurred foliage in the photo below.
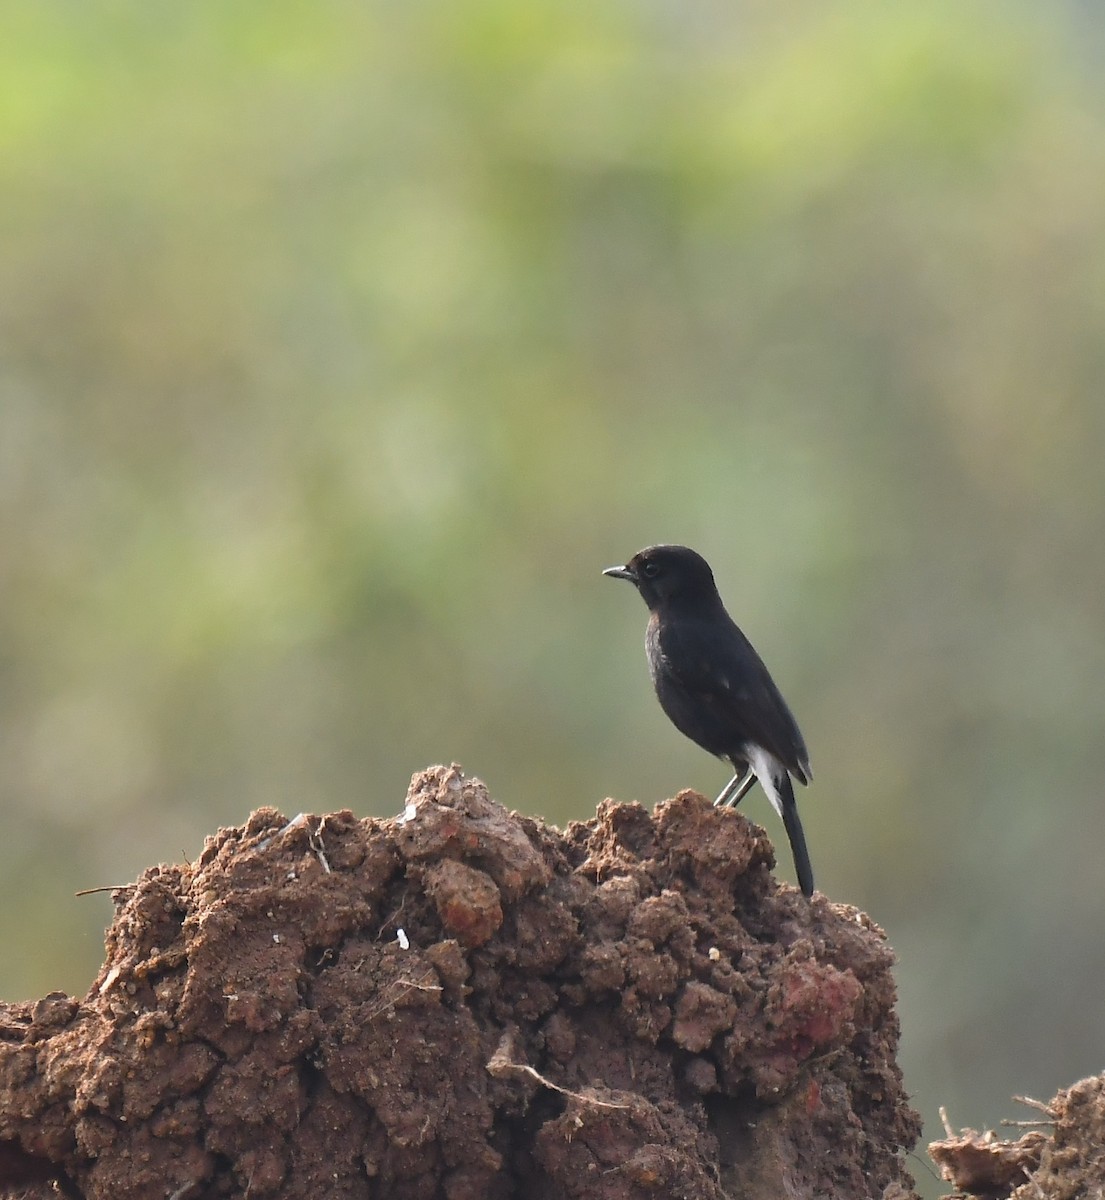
(342, 345)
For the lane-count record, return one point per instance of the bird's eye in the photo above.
(650, 570)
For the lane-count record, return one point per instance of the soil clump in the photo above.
(467, 1004)
(1063, 1160)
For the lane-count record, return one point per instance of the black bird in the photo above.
(715, 688)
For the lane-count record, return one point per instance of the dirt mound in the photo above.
(1062, 1164)
(466, 1004)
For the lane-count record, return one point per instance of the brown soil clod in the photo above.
(1065, 1163)
(467, 1004)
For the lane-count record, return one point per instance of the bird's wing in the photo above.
(727, 679)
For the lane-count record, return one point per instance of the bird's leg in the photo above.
(734, 791)
(730, 787)
(741, 791)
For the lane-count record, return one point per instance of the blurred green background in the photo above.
(342, 345)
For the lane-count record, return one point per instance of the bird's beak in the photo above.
(621, 573)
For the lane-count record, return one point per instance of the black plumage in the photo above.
(715, 688)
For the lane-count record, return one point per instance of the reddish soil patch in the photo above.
(466, 1004)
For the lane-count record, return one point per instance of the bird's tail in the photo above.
(796, 836)
(775, 781)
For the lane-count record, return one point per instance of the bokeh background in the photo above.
(342, 345)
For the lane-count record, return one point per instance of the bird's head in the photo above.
(667, 574)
